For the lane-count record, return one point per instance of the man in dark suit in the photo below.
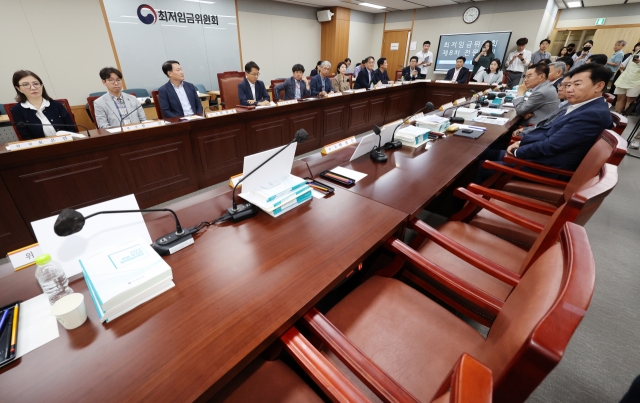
(252, 91)
(459, 74)
(380, 75)
(411, 72)
(364, 76)
(321, 84)
(177, 97)
(564, 143)
(295, 87)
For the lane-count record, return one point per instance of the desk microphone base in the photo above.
(171, 243)
(377, 155)
(392, 145)
(243, 212)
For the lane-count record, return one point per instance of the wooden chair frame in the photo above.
(156, 104)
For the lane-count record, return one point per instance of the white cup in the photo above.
(70, 310)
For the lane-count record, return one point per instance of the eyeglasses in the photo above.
(118, 81)
(255, 74)
(35, 85)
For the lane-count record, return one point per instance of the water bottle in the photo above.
(52, 279)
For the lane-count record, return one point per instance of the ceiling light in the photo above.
(201, 1)
(574, 4)
(372, 5)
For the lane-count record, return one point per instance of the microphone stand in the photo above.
(393, 144)
(23, 124)
(377, 154)
(146, 102)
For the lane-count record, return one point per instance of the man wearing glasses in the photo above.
(252, 91)
(115, 105)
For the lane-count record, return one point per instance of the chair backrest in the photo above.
(350, 78)
(620, 122)
(505, 77)
(2, 111)
(530, 334)
(97, 94)
(156, 103)
(228, 85)
(273, 88)
(63, 101)
(139, 92)
(609, 98)
(398, 74)
(90, 101)
(201, 88)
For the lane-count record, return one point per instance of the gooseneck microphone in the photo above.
(71, 221)
(377, 153)
(146, 102)
(23, 124)
(396, 143)
(248, 210)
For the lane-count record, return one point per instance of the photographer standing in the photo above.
(517, 61)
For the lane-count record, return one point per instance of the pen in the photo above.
(14, 330)
(338, 178)
(318, 188)
(3, 320)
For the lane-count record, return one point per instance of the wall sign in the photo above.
(600, 21)
(395, 46)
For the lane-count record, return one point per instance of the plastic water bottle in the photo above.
(52, 279)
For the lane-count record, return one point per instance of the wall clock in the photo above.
(471, 14)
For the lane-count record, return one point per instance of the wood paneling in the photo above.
(376, 111)
(14, 232)
(395, 58)
(399, 106)
(264, 135)
(220, 152)
(334, 41)
(335, 126)
(82, 117)
(311, 123)
(605, 38)
(358, 115)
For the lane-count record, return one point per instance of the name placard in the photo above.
(338, 145)
(444, 81)
(335, 94)
(47, 141)
(289, 102)
(360, 90)
(221, 113)
(140, 126)
(24, 257)
(459, 101)
(445, 106)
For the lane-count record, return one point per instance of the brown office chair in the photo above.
(387, 324)
(609, 98)
(228, 85)
(156, 104)
(398, 75)
(350, 78)
(505, 77)
(7, 108)
(273, 88)
(619, 122)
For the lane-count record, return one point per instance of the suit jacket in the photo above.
(380, 76)
(362, 81)
(245, 94)
(547, 121)
(316, 85)
(170, 103)
(55, 112)
(108, 114)
(564, 143)
(542, 102)
(340, 83)
(406, 73)
(462, 75)
(289, 87)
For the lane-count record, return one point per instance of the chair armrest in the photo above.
(446, 279)
(514, 201)
(466, 254)
(525, 175)
(385, 387)
(324, 374)
(520, 162)
(471, 381)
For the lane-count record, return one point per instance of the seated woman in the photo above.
(340, 82)
(493, 76)
(35, 107)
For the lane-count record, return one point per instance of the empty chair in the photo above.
(156, 104)
(137, 92)
(398, 75)
(387, 324)
(228, 85)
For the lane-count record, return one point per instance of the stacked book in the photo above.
(412, 136)
(277, 198)
(433, 123)
(123, 277)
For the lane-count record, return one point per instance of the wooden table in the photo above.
(4, 118)
(238, 288)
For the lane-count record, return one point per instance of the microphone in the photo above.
(70, 221)
(23, 124)
(243, 211)
(377, 154)
(146, 102)
(396, 143)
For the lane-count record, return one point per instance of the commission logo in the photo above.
(150, 18)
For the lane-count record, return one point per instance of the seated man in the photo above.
(380, 75)
(556, 71)
(564, 143)
(543, 99)
(561, 111)
(295, 87)
(177, 97)
(365, 75)
(458, 74)
(116, 106)
(321, 84)
(599, 58)
(252, 91)
(411, 72)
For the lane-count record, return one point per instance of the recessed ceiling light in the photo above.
(574, 4)
(372, 5)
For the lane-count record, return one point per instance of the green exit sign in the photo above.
(600, 21)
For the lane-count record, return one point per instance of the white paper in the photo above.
(272, 104)
(114, 130)
(349, 173)
(317, 194)
(490, 120)
(413, 46)
(99, 232)
(277, 168)
(395, 46)
(508, 104)
(365, 146)
(490, 111)
(36, 325)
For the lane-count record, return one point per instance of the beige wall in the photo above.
(360, 34)
(65, 42)
(620, 14)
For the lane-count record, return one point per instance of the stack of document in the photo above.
(277, 198)
(413, 136)
(123, 277)
(433, 123)
(466, 113)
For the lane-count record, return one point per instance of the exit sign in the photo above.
(600, 21)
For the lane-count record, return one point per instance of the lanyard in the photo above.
(118, 108)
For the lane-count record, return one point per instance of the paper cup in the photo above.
(70, 311)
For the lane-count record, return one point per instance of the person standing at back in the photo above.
(425, 59)
(177, 97)
(516, 62)
(541, 54)
(581, 58)
(618, 56)
(315, 71)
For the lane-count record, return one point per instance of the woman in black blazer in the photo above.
(36, 107)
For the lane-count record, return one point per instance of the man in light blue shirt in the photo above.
(618, 56)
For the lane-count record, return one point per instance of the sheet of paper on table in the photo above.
(490, 120)
(349, 173)
(36, 325)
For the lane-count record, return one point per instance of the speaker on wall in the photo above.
(324, 15)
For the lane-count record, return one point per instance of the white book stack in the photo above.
(277, 198)
(123, 277)
(412, 136)
(466, 113)
(433, 123)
